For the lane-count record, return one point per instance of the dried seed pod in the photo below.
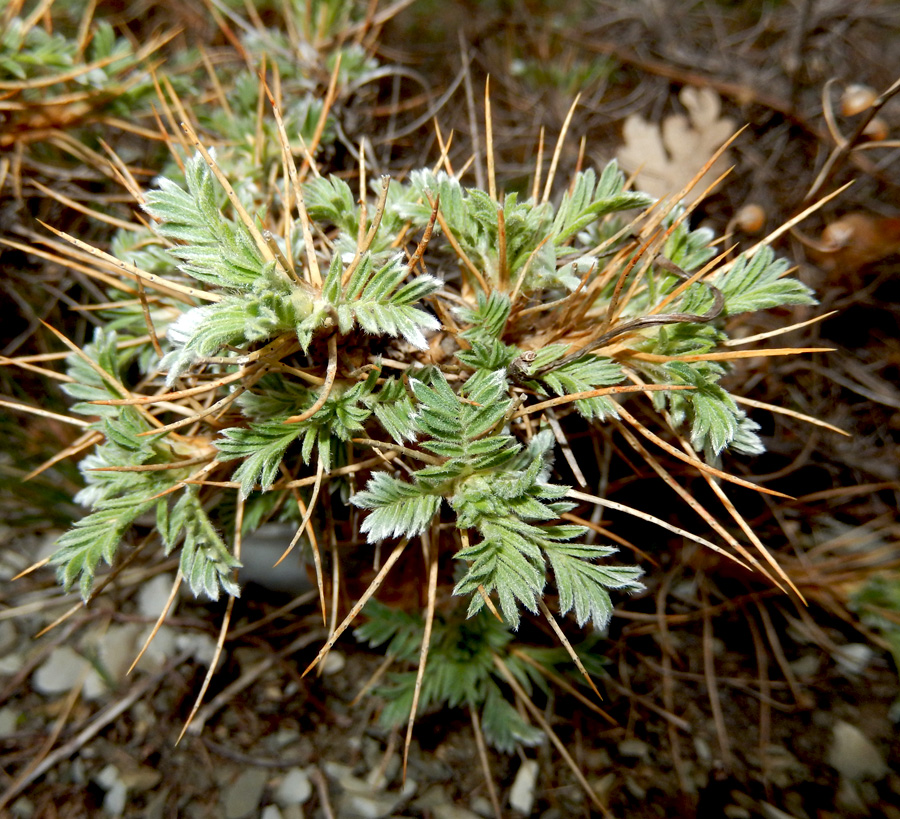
(750, 218)
(876, 130)
(856, 99)
(857, 239)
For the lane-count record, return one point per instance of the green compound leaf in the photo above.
(582, 584)
(206, 562)
(218, 250)
(715, 419)
(330, 199)
(398, 509)
(374, 299)
(488, 319)
(263, 446)
(758, 284)
(503, 725)
(589, 372)
(461, 670)
(96, 537)
(394, 410)
(508, 565)
(590, 199)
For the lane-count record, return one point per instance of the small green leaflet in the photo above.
(759, 283)
(374, 298)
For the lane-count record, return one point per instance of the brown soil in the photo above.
(723, 693)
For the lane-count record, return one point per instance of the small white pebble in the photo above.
(521, 795)
(59, 672)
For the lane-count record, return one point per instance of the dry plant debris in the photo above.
(683, 597)
(665, 158)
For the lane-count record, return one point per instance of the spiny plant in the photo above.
(63, 76)
(284, 352)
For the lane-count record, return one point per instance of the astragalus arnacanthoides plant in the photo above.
(406, 369)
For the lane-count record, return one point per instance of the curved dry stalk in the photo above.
(745, 527)
(201, 459)
(750, 402)
(557, 152)
(105, 581)
(538, 717)
(693, 461)
(177, 291)
(525, 267)
(485, 763)
(307, 513)
(330, 374)
(686, 279)
(365, 242)
(341, 470)
(148, 320)
(602, 530)
(194, 478)
(249, 677)
(568, 454)
(358, 605)
(55, 416)
(737, 342)
(82, 443)
(726, 356)
(201, 414)
(577, 396)
(692, 502)
(489, 140)
(226, 620)
(630, 510)
(426, 236)
(846, 145)
(159, 621)
(71, 203)
(565, 685)
(69, 262)
(538, 168)
(448, 234)
(239, 209)
(374, 679)
(567, 645)
(54, 79)
(5, 361)
(312, 263)
(828, 112)
(431, 554)
(210, 386)
(107, 377)
(330, 96)
(399, 449)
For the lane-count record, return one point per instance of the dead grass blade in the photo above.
(485, 763)
(693, 461)
(809, 419)
(567, 645)
(177, 291)
(226, 620)
(431, 556)
(538, 717)
(694, 504)
(358, 606)
(159, 621)
(712, 687)
(557, 152)
(629, 510)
